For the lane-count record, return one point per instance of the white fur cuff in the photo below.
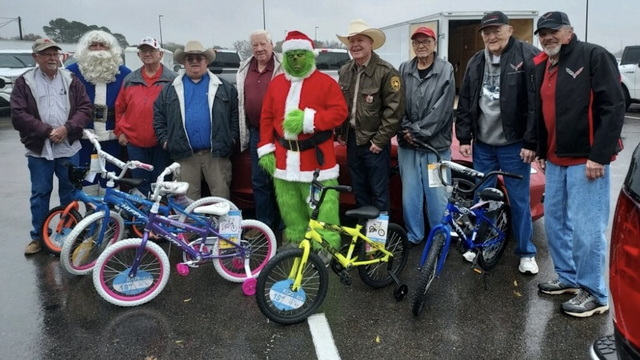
(266, 149)
(309, 120)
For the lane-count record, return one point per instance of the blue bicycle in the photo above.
(481, 226)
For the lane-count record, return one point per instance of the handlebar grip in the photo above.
(142, 165)
(342, 188)
(463, 169)
(515, 176)
(174, 167)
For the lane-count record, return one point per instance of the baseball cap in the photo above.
(43, 44)
(494, 18)
(424, 31)
(149, 41)
(552, 20)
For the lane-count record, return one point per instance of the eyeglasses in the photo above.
(194, 58)
(424, 43)
(53, 55)
(148, 50)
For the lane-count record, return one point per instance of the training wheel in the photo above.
(182, 269)
(401, 292)
(249, 286)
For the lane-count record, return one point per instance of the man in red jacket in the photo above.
(49, 107)
(134, 112)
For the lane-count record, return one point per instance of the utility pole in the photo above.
(586, 22)
(20, 26)
(160, 25)
(264, 21)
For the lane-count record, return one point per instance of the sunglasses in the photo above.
(194, 58)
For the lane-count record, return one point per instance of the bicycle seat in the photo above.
(491, 194)
(218, 209)
(364, 212)
(130, 182)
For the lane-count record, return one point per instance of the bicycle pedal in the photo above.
(345, 278)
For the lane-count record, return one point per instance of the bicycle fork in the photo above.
(297, 269)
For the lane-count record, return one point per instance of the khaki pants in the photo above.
(216, 172)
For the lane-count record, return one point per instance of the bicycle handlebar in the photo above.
(132, 164)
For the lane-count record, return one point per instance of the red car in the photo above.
(624, 272)
(242, 195)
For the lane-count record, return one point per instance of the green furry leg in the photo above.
(295, 211)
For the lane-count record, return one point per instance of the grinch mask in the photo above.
(298, 63)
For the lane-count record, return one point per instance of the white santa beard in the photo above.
(99, 66)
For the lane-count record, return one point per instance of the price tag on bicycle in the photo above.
(377, 230)
(434, 176)
(229, 227)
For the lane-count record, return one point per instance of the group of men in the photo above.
(562, 107)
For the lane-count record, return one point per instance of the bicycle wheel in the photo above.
(86, 242)
(377, 275)
(428, 272)
(274, 296)
(113, 282)
(56, 227)
(260, 241)
(488, 256)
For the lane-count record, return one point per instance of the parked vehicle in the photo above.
(242, 193)
(13, 63)
(624, 276)
(629, 67)
(226, 65)
(329, 61)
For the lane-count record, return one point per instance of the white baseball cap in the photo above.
(149, 41)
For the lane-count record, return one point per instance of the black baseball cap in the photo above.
(494, 18)
(552, 20)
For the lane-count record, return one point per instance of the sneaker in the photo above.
(557, 287)
(584, 305)
(469, 255)
(528, 265)
(34, 247)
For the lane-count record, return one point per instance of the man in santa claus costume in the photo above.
(299, 112)
(99, 68)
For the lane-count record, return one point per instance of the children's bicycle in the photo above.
(482, 226)
(105, 224)
(134, 271)
(294, 283)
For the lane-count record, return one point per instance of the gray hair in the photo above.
(261, 32)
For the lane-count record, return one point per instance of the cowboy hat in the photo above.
(193, 48)
(358, 26)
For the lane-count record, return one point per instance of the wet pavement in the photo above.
(46, 313)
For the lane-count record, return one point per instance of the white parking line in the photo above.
(632, 117)
(322, 338)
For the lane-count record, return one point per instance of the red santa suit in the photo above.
(324, 106)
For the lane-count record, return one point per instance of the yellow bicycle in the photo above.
(294, 283)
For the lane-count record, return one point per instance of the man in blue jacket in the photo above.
(196, 119)
(496, 111)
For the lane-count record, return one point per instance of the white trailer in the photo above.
(458, 36)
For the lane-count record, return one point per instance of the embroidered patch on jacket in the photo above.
(517, 67)
(574, 74)
(395, 83)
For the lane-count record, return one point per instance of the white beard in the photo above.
(552, 51)
(99, 66)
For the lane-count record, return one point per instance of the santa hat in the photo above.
(296, 40)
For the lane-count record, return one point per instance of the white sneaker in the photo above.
(528, 265)
(469, 255)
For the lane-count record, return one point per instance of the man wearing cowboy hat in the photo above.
(196, 119)
(375, 102)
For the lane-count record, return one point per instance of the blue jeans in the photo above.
(369, 173)
(156, 156)
(41, 173)
(576, 214)
(415, 189)
(264, 194)
(507, 158)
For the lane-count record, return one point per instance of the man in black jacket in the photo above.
(496, 111)
(580, 115)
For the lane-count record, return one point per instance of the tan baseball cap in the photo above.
(43, 44)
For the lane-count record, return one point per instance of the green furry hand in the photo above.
(268, 163)
(293, 121)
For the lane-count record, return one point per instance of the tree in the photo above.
(171, 46)
(243, 48)
(63, 31)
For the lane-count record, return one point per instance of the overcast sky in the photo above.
(612, 23)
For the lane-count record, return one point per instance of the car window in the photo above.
(16, 60)
(331, 60)
(632, 182)
(226, 59)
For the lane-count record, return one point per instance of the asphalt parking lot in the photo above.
(46, 313)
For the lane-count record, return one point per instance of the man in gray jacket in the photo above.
(196, 120)
(430, 90)
(253, 78)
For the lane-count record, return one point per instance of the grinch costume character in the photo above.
(99, 68)
(299, 112)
